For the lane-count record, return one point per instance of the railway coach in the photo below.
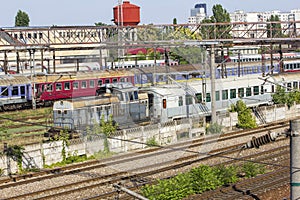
(15, 92)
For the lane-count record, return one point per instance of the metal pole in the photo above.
(33, 92)
(213, 86)
(136, 195)
(294, 159)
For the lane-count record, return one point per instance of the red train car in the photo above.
(49, 88)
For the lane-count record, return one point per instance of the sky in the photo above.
(88, 12)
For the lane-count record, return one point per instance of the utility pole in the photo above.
(32, 70)
(213, 86)
(294, 159)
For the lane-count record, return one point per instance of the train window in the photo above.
(289, 86)
(136, 95)
(92, 83)
(15, 91)
(75, 85)
(115, 80)
(262, 91)
(59, 112)
(22, 89)
(180, 101)
(241, 92)
(189, 100)
(208, 98)
(58, 86)
(232, 93)
(120, 96)
(106, 81)
(217, 95)
(67, 86)
(100, 82)
(295, 85)
(65, 112)
(130, 96)
(224, 94)
(248, 92)
(255, 90)
(49, 87)
(199, 97)
(4, 91)
(83, 84)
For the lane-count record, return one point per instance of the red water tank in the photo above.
(131, 14)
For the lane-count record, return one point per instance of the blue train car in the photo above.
(15, 92)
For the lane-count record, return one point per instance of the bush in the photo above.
(175, 188)
(252, 169)
(204, 178)
(226, 175)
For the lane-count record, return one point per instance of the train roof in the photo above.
(166, 90)
(6, 80)
(84, 102)
(81, 75)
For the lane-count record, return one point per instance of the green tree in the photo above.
(22, 19)
(245, 118)
(274, 29)
(283, 97)
(220, 15)
(100, 24)
(107, 128)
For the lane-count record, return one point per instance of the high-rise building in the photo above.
(198, 13)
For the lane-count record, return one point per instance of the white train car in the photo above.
(177, 101)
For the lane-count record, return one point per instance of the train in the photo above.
(44, 89)
(129, 105)
(123, 101)
(140, 64)
(260, 57)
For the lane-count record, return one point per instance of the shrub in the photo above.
(252, 169)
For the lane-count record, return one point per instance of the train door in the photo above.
(151, 104)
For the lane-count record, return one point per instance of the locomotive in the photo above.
(120, 100)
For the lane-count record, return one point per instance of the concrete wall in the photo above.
(137, 138)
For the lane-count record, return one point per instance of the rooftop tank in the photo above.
(131, 14)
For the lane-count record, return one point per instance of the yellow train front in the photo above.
(119, 100)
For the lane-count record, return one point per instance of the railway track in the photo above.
(138, 173)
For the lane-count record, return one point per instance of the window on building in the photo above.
(115, 80)
(106, 81)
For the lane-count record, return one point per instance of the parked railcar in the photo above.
(121, 100)
(15, 92)
(82, 84)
